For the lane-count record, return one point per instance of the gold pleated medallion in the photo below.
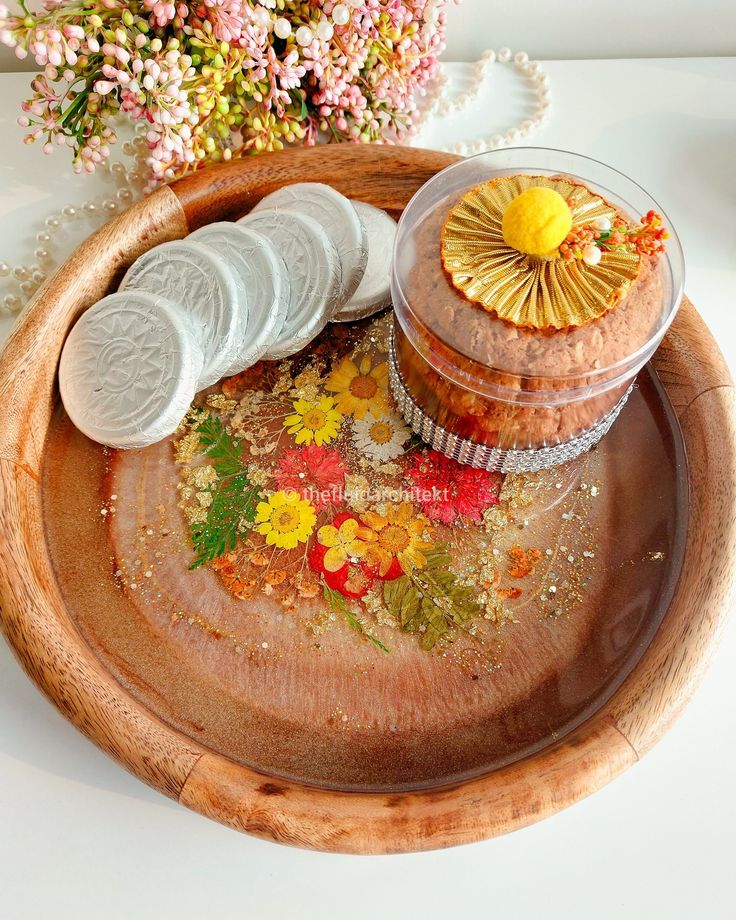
(531, 291)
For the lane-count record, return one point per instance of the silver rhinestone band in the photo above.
(494, 458)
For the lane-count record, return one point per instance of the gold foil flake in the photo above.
(196, 515)
(204, 499)
(357, 491)
(257, 475)
(531, 291)
(307, 384)
(202, 477)
(221, 402)
(187, 448)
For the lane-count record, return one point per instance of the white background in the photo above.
(79, 838)
(570, 29)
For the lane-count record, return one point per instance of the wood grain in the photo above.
(346, 822)
(48, 646)
(230, 189)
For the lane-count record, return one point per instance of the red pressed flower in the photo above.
(316, 473)
(446, 489)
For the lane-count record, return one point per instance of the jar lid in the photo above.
(492, 317)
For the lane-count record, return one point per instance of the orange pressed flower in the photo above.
(360, 388)
(397, 541)
(522, 562)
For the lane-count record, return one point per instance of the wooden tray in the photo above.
(359, 751)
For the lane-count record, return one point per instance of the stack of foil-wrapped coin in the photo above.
(193, 311)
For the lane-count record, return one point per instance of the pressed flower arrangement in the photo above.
(300, 483)
(222, 78)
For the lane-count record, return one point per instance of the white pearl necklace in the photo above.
(29, 278)
(441, 107)
(131, 180)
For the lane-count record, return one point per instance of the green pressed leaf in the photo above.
(225, 454)
(337, 603)
(430, 600)
(402, 599)
(234, 497)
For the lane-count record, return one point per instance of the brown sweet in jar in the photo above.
(476, 344)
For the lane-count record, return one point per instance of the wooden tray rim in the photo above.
(52, 652)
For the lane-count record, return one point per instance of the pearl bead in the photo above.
(117, 168)
(511, 136)
(11, 303)
(521, 57)
(5, 269)
(543, 80)
(489, 56)
(124, 194)
(325, 30)
(43, 237)
(43, 255)
(28, 287)
(304, 36)
(128, 149)
(504, 55)
(110, 206)
(38, 276)
(20, 273)
(282, 28)
(262, 17)
(89, 207)
(534, 68)
(496, 141)
(69, 211)
(341, 15)
(53, 223)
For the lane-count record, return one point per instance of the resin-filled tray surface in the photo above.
(556, 583)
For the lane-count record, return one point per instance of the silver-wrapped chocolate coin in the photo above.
(337, 217)
(263, 286)
(374, 291)
(129, 369)
(197, 279)
(314, 274)
(217, 237)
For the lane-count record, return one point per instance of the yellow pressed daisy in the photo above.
(314, 421)
(343, 542)
(360, 389)
(285, 519)
(396, 539)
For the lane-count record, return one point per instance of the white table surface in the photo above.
(80, 838)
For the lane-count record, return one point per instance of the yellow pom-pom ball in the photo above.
(537, 221)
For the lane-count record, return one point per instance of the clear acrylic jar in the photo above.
(503, 397)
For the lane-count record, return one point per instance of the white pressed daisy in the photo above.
(380, 438)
